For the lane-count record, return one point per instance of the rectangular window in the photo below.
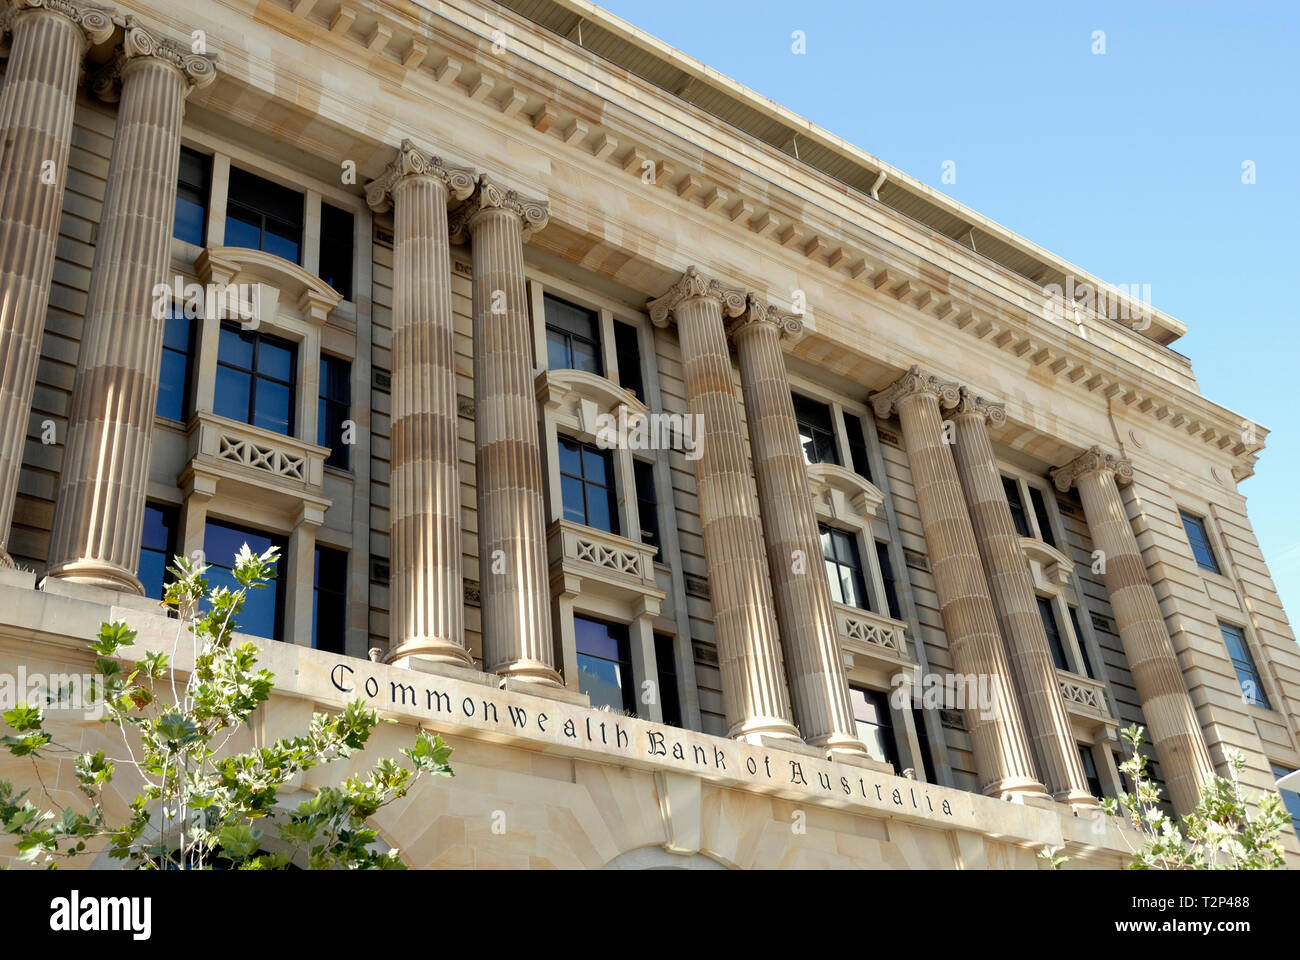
(604, 663)
(1090, 770)
(815, 430)
(1290, 798)
(572, 337)
(887, 577)
(1083, 646)
(329, 608)
(666, 666)
(335, 404)
(263, 613)
(1012, 488)
(629, 359)
(874, 724)
(1048, 614)
(157, 547)
(647, 504)
(176, 367)
(856, 434)
(1252, 688)
(262, 215)
(336, 238)
(587, 483)
(1040, 514)
(843, 567)
(255, 379)
(1200, 541)
(192, 185)
(923, 739)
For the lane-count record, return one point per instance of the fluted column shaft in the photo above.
(1175, 732)
(427, 614)
(97, 520)
(36, 109)
(809, 638)
(749, 652)
(515, 589)
(1002, 755)
(1012, 591)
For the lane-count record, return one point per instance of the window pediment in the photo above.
(281, 282)
(1049, 567)
(840, 494)
(578, 399)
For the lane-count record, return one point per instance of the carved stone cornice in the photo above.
(972, 404)
(693, 285)
(757, 312)
(914, 383)
(140, 43)
(413, 162)
(490, 195)
(1092, 460)
(96, 22)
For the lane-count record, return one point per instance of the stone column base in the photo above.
(1018, 790)
(98, 573)
(432, 650)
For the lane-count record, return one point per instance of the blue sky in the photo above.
(1127, 163)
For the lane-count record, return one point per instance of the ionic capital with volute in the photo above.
(693, 285)
(1092, 460)
(914, 383)
(414, 162)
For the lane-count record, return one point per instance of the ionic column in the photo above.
(97, 519)
(814, 662)
(36, 105)
(516, 597)
(427, 595)
(1180, 747)
(1002, 754)
(1016, 605)
(749, 653)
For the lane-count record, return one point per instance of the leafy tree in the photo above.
(1219, 834)
(199, 803)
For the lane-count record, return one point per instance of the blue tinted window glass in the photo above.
(602, 681)
(176, 332)
(189, 221)
(273, 402)
(600, 508)
(235, 349)
(595, 465)
(261, 607)
(231, 399)
(243, 229)
(557, 351)
(574, 508)
(172, 385)
(570, 458)
(281, 246)
(274, 360)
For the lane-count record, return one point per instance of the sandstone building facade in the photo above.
(723, 495)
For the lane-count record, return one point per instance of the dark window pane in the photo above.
(629, 358)
(263, 609)
(815, 430)
(1083, 646)
(243, 229)
(191, 196)
(1243, 663)
(235, 348)
(157, 544)
(923, 738)
(604, 663)
(1017, 506)
(584, 356)
(570, 458)
(575, 508)
(666, 664)
(600, 509)
(173, 384)
(557, 351)
(336, 240)
(647, 501)
(843, 567)
(857, 445)
(874, 724)
(887, 575)
(1090, 770)
(231, 399)
(572, 337)
(275, 359)
(278, 240)
(1040, 514)
(329, 608)
(272, 406)
(1200, 542)
(1053, 632)
(1290, 798)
